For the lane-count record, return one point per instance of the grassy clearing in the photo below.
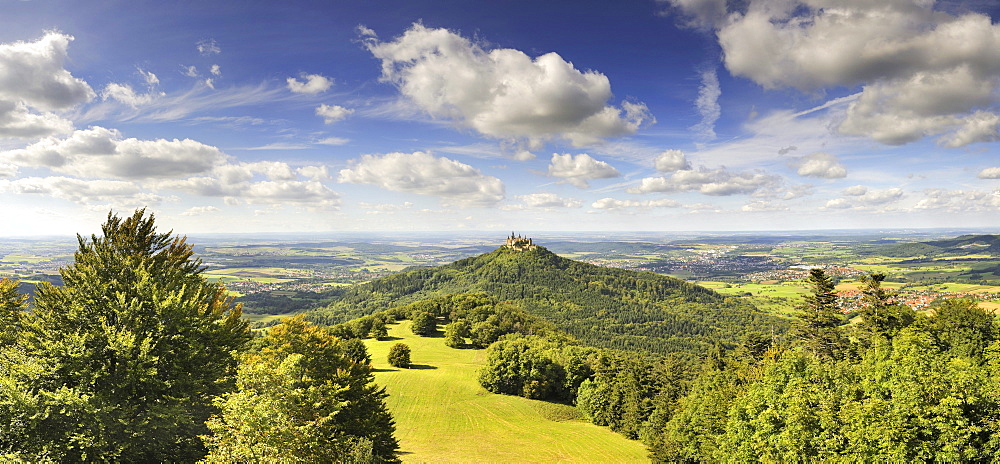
(443, 415)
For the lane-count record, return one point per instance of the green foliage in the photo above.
(817, 324)
(605, 307)
(301, 398)
(121, 363)
(928, 393)
(424, 323)
(456, 332)
(399, 355)
(11, 311)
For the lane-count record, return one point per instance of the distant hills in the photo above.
(959, 246)
(605, 307)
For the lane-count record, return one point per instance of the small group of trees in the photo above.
(138, 358)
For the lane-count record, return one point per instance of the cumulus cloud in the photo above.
(216, 70)
(311, 84)
(333, 113)
(714, 182)
(33, 73)
(990, 173)
(548, 200)
(820, 165)
(100, 152)
(959, 200)
(671, 160)
(579, 169)
(33, 83)
(707, 105)
(17, 120)
(425, 174)
(856, 190)
(503, 93)
(923, 71)
(614, 204)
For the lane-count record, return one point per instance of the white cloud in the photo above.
(216, 70)
(856, 190)
(425, 174)
(123, 93)
(83, 192)
(820, 165)
(312, 84)
(8, 170)
(333, 113)
(990, 173)
(504, 93)
(670, 161)
(613, 204)
(190, 71)
(237, 191)
(100, 152)
(579, 169)
(714, 182)
(314, 172)
(208, 47)
(333, 141)
(17, 120)
(924, 71)
(762, 206)
(548, 200)
(200, 211)
(959, 200)
(866, 198)
(33, 73)
(707, 105)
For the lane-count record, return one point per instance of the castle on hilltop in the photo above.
(519, 243)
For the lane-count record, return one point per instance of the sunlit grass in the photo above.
(443, 415)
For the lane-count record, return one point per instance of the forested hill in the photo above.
(959, 246)
(601, 306)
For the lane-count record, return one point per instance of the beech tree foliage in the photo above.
(302, 398)
(122, 362)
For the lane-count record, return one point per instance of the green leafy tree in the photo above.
(121, 363)
(378, 330)
(11, 311)
(399, 355)
(424, 323)
(456, 332)
(301, 398)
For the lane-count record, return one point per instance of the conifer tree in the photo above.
(819, 317)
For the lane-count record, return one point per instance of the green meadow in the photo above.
(443, 415)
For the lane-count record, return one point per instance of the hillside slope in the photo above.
(604, 307)
(443, 415)
(959, 246)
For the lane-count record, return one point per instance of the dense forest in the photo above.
(604, 307)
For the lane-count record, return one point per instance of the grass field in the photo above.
(443, 415)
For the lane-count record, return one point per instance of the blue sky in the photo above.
(670, 115)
